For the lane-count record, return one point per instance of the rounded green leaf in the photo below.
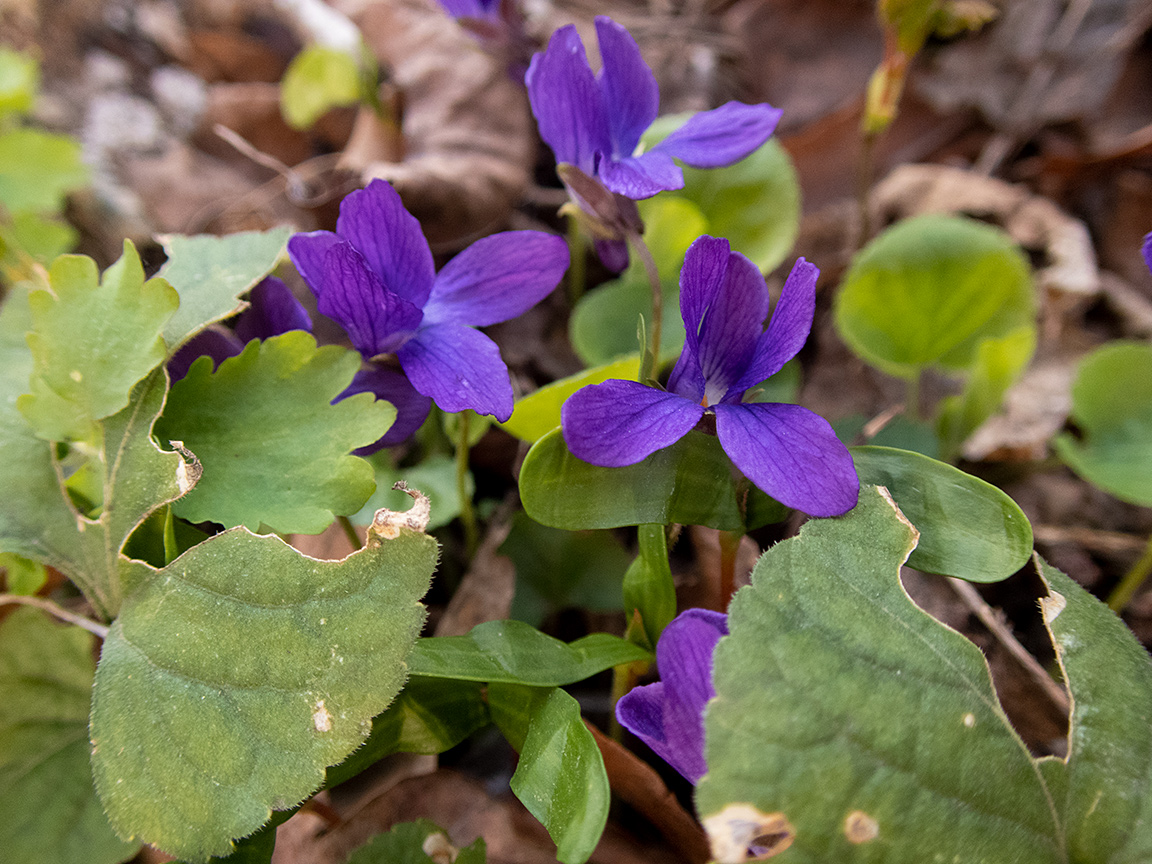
(318, 78)
(37, 169)
(1112, 406)
(238, 673)
(968, 528)
(273, 447)
(19, 81)
(49, 812)
(858, 725)
(928, 291)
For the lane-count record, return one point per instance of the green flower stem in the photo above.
(350, 531)
(56, 611)
(645, 254)
(1132, 580)
(577, 273)
(467, 512)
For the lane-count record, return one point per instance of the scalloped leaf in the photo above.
(49, 812)
(831, 671)
(238, 673)
(275, 451)
(212, 273)
(92, 339)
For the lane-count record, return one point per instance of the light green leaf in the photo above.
(832, 672)
(49, 812)
(22, 575)
(928, 291)
(560, 777)
(238, 673)
(410, 843)
(274, 450)
(430, 715)
(648, 587)
(968, 528)
(435, 477)
(38, 169)
(1112, 406)
(556, 569)
(539, 413)
(516, 653)
(689, 483)
(39, 237)
(19, 82)
(211, 273)
(92, 340)
(318, 78)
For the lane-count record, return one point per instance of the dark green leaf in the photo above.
(968, 528)
(516, 653)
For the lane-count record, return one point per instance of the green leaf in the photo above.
(19, 82)
(430, 715)
(211, 273)
(1112, 406)
(435, 477)
(688, 483)
(40, 238)
(22, 575)
(274, 450)
(38, 169)
(49, 812)
(648, 586)
(754, 203)
(516, 653)
(968, 528)
(557, 569)
(318, 79)
(603, 324)
(1107, 808)
(832, 672)
(92, 340)
(928, 291)
(539, 413)
(560, 777)
(238, 673)
(410, 843)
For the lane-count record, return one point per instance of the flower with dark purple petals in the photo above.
(669, 716)
(475, 9)
(1147, 250)
(594, 122)
(374, 275)
(787, 451)
(272, 310)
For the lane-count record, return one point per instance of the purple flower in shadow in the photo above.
(374, 275)
(787, 451)
(669, 716)
(272, 310)
(1147, 250)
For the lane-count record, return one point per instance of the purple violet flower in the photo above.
(375, 277)
(272, 310)
(787, 451)
(594, 122)
(669, 716)
(1147, 250)
(475, 9)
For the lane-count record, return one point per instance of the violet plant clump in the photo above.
(375, 276)
(668, 716)
(594, 123)
(787, 451)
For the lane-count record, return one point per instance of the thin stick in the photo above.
(1132, 580)
(56, 611)
(988, 617)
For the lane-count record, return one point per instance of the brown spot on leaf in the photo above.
(859, 827)
(741, 833)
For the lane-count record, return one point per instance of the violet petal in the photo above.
(459, 368)
(731, 326)
(274, 310)
(622, 422)
(1147, 250)
(567, 101)
(631, 95)
(374, 220)
(713, 139)
(791, 454)
(308, 252)
(411, 407)
(376, 320)
(497, 278)
(613, 254)
(701, 279)
(789, 328)
(639, 177)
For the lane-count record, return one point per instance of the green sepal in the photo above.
(648, 587)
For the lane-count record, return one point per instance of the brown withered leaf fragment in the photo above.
(468, 134)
